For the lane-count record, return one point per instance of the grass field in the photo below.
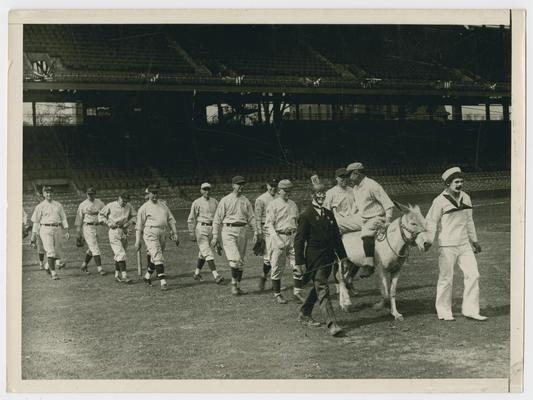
(91, 327)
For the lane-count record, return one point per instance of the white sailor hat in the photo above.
(450, 174)
(205, 185)
(285, 184)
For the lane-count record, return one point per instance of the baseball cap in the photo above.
(205, 185)
(316, 184)
(125, 196)
(341, 173)
(153, 188)
(285, 184)
(90, 190)
(47, 189)
(355, 166)
(450, 174)
(238, 180)
(273, 182)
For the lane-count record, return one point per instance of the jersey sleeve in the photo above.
(219, 216)
(104, 214)
(259, 209)
(382, 197)
(432, 220)
(79, 216)
(141, 219)
(63, 216)
(191, 220)
(36, 218)
(251, 216)
(270, 218)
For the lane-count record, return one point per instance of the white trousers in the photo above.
(90, 234)
(279, 251)
(234, 242)
(51, 237)
(465, 258)
(118, 241)
(204, 234)
(155, 240)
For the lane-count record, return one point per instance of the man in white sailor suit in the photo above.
(458, 244)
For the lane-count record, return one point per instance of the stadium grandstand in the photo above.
(119, 106)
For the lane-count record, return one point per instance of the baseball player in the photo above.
(233, 213)
(261, 204)
(47, 218)
(200, 224)
(86, 224)
(340, 199)
(458, 243)
(375, 209)
(281, 222)
(153, 220)
(119, 215)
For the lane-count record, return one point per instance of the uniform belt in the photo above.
(116, 227)
(286, 232)
(206, 223)
(51, 224)
(236, 224)
(154, 226)
(91, 223)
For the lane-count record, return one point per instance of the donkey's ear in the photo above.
(401, 207)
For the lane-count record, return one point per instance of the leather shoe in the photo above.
(335, 330)
(477, 317)
(219, 279)
(447, 318)
(261, 283)
(197, 277)
(307, 320)
(280, 300)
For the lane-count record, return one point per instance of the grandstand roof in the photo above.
(256, 58)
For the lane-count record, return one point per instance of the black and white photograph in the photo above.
(266, 201)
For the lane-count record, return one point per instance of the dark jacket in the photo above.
(317, 240)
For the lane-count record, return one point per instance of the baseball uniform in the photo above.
(342, 202)
(200, 222)
(87, 219)
(115, 216)
(261, 205)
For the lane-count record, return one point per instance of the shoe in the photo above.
(477, 317)
(126, 280)
(164, 287)
(61, 266)
(55, 277)
(280, 300)
(148, 282)
(48, 271)
(307, 320)
(298, 298)
(219, 279)
(41, 267)
(447, 318)
(197, 277)
(84, 269)
(118, 279)
(102, 272)
(335, 330)
(235, 290)
(261, 283)
(241, 292)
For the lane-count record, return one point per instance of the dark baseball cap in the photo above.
(273, 182)
(125, 196)
(47, 189)
(341, 173)
(238, 180)
(153, 188)
(91, 190)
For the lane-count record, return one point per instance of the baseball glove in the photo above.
(26, 229)
(218, 249)
(259, 247)
(79, 241)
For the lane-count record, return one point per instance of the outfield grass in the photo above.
(91, 327)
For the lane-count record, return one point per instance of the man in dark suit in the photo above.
(317, 244)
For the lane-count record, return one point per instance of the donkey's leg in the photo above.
(394, 283)
(344, 295)
(383, 283)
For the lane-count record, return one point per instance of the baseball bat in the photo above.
(139, 264)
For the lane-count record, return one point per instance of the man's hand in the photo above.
(67, 235)
(33, 240)
(137, 245)
(477, 247)
(214, 242)
(218, 248)
(258, 236)
(299, 269)
(192, 237)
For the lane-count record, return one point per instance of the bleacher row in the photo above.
(113, 54)
(180, 197)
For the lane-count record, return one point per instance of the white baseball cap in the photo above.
(450, 172)
(355, 166)
(205, 185)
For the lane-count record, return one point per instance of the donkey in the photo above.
(391, 251)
